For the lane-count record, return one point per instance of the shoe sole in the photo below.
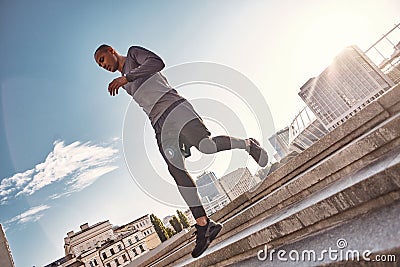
(210, 238)
(263, 159)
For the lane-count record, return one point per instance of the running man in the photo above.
(176, 124)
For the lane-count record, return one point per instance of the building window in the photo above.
(124, 258)
(104, 255)
(130, 242)
(134, 251)
(112, 251)
(137, 238)
(141, 248)
(95, 262)
(91, 264)
(117, 262)
(108, 265)
(119, 247)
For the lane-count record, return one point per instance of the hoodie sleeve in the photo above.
(148, 63)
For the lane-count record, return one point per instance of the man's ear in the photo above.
(111, 50)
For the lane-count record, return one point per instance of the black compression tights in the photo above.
(186, 185)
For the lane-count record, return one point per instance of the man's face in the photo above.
(107, 60)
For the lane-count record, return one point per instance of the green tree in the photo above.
(159, 227)
(183, 219)
(176, 224)
(170, 232)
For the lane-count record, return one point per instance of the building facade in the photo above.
(305, 130)
(237, 182)
(208, 186)
(106, 246)
(120, 251)
(280, 142)
(6, 259)
(88, 238)
(143, 225)
(216, 204)
(350, 83)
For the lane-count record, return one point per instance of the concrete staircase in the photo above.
(343, 190)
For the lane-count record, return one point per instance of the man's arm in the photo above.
(114, 86)
(149, 63)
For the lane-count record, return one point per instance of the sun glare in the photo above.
(328, 33)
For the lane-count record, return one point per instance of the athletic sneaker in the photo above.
(257, 152)
(204, 235)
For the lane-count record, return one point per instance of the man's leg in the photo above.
(176, 166)
(211, 145)
(196, 133)
(207, 230)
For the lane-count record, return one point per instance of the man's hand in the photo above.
(116, 84)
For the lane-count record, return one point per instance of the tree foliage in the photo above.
(170, 232)
(176, 224)
(183, 219)
(159, 227)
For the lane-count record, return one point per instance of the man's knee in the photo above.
(207, 146)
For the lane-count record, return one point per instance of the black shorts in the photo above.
(181, 123)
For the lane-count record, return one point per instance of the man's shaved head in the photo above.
(102, 48)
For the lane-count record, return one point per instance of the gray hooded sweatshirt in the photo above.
(148, 87)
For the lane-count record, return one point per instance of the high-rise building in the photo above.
(211, 193)
(237, 182)
(6, 259)
(305, 130)
(346, 86)
(216, 204)
(207, 186)
(280, 142)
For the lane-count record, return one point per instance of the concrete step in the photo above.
(351, 171)
(368, 189)
(353, 238)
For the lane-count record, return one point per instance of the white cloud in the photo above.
(83, 164)
(31, 215)
(83, 180)
(14, 183)
(87, 178)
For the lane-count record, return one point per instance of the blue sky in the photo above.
(62, 161)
